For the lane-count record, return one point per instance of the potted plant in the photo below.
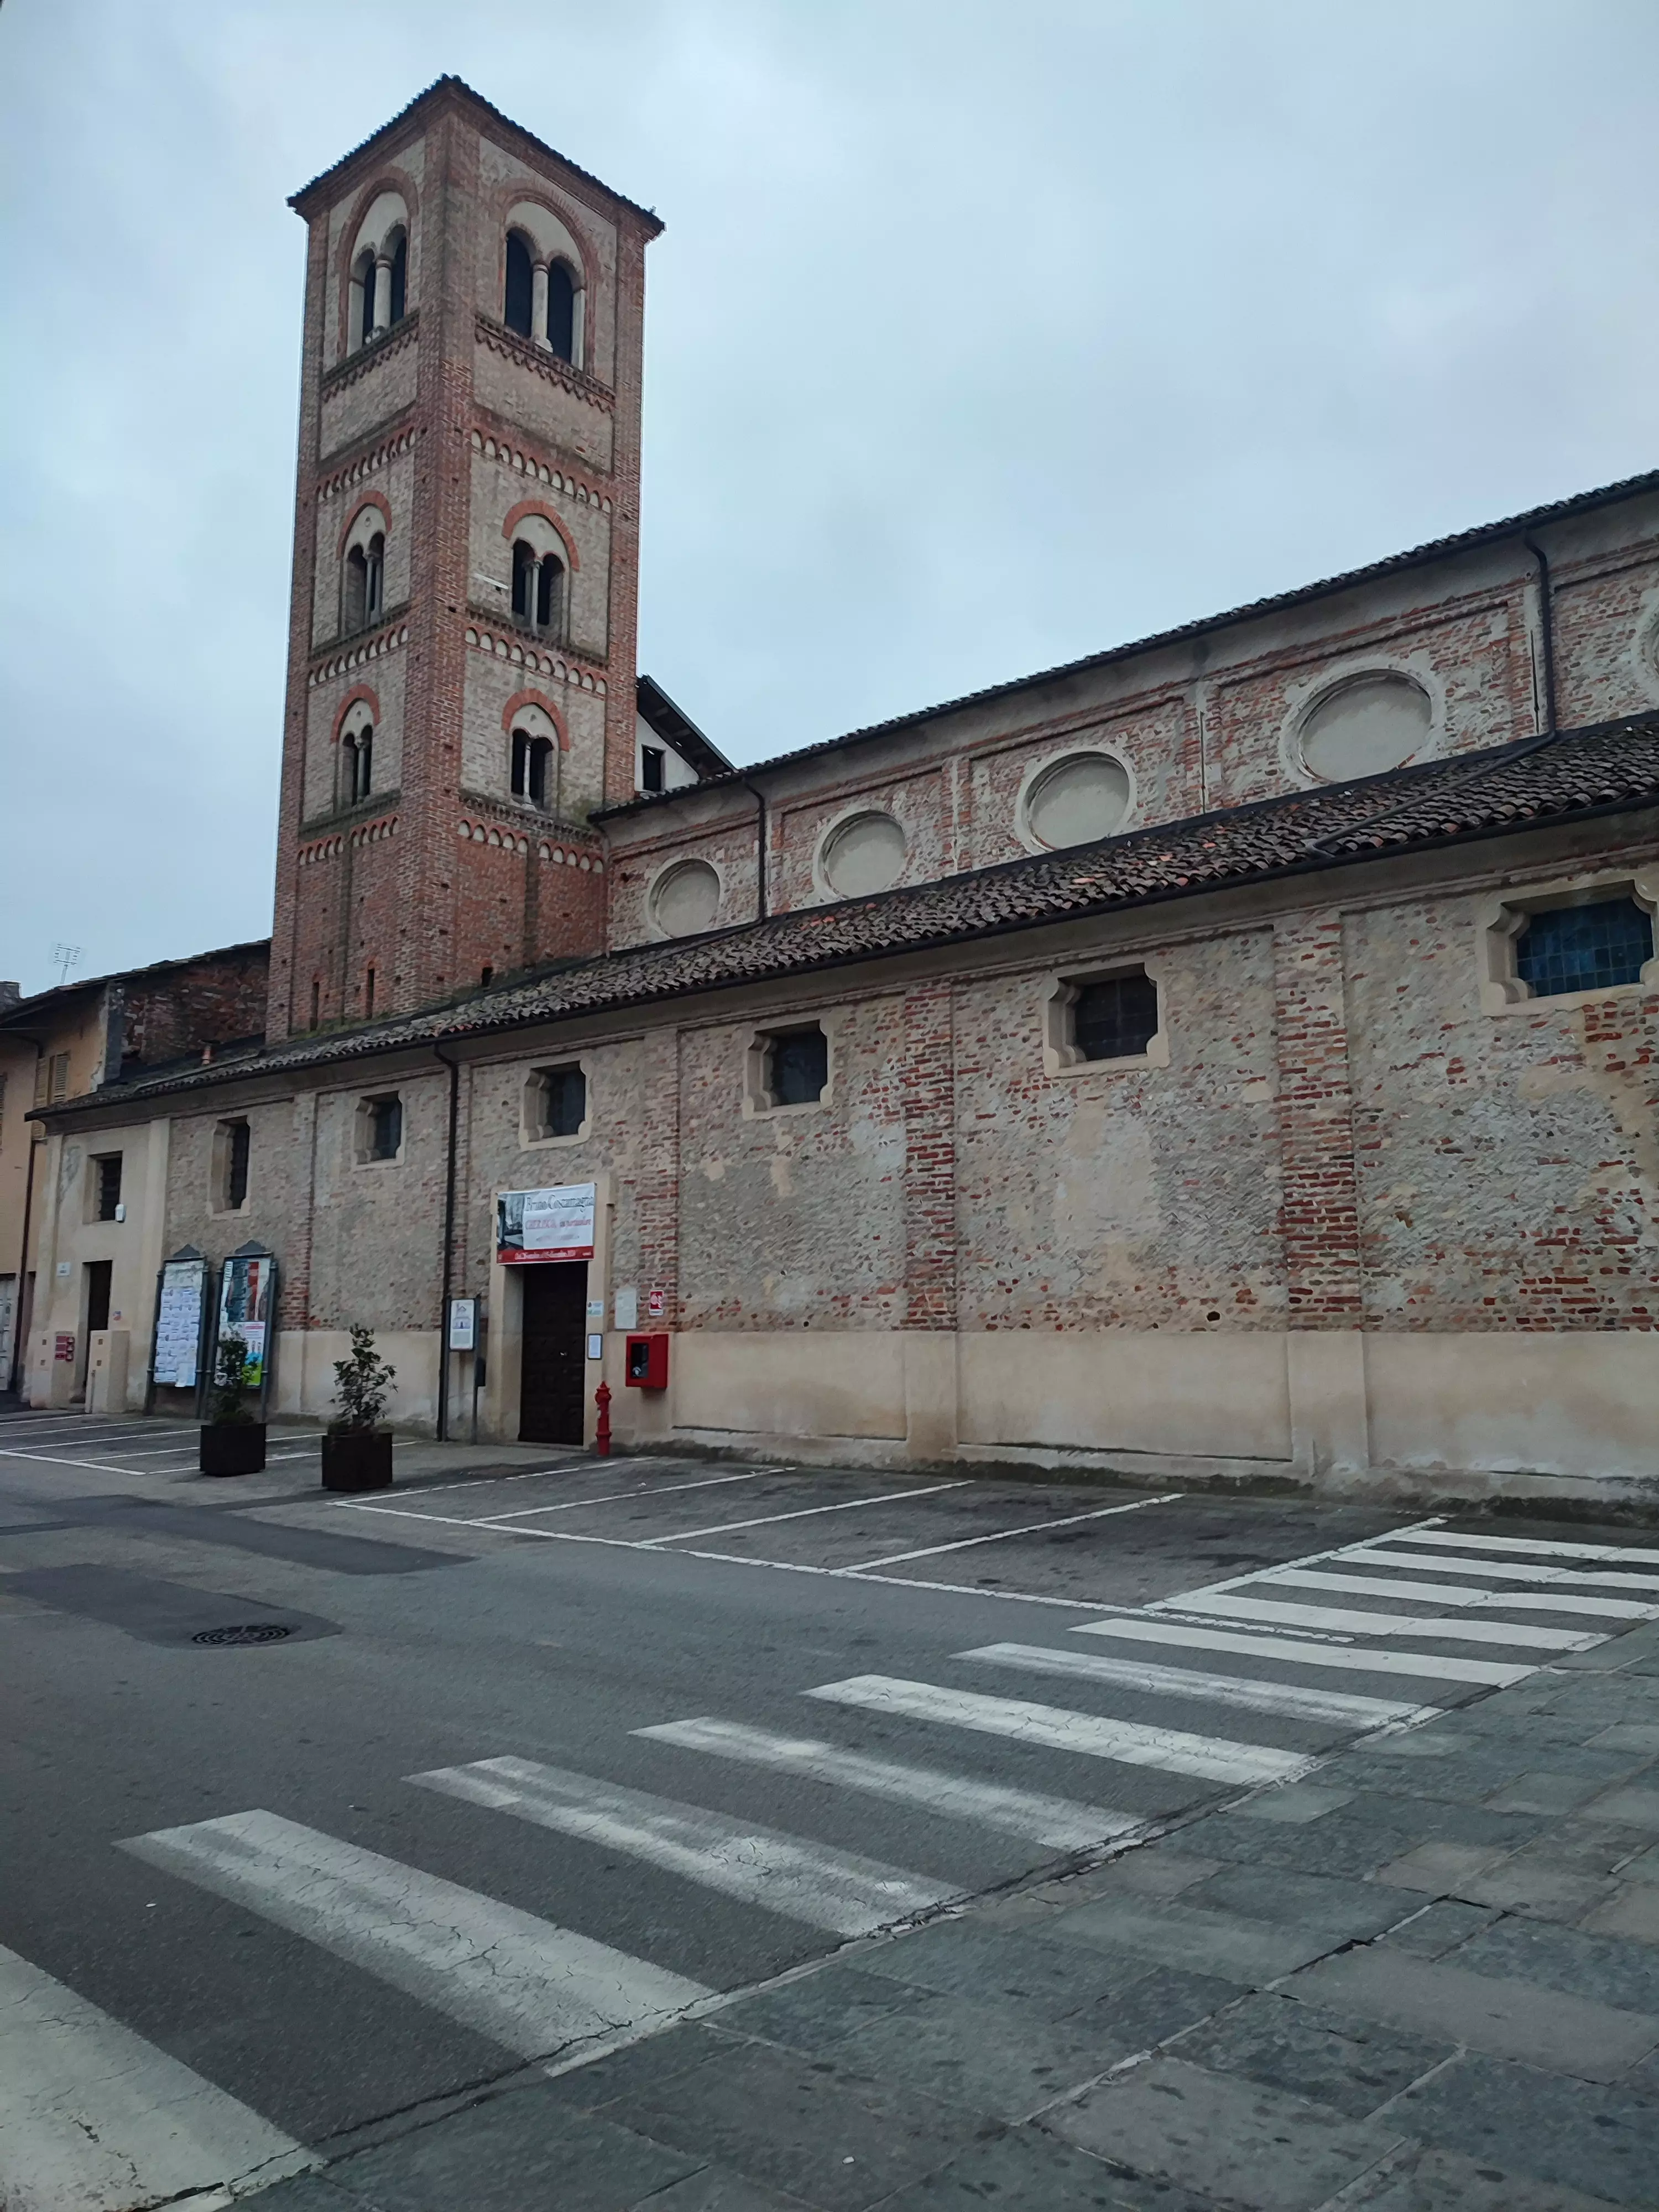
(232, 1441)
(356, 1449)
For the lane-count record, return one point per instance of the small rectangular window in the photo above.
(107, 1171)
(651, 765)
(57, 1085)
(236, 1139)
(1116, 1018)
(382, 1121)
(797, 1066)
(561, 1101)
(1584, 948)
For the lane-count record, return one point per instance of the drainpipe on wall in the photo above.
(759, 798)
(12, 1380)
(1546, 631)
(449, 1242)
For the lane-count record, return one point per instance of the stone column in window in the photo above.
(382, 295)
(539, 305)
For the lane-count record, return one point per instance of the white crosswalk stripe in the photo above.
(1614, 1608)
(93, 2118)
(1534, 1570)
(1294, 1651)
(1212, 1758)
(537, 1988)
(1293, 1700)
(1060, 1822)
(1232, 1607)
(827, 1888)
(1444, 1539)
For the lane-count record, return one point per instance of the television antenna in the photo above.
(65, 957)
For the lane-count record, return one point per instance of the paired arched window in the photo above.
(365, 584)
(541, 292)
(379, 271)
(537, 587)
(356, 775)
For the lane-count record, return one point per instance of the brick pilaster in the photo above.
(1319, 1211)
(928, 1101)
(657, 1181)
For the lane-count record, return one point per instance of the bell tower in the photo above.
(461, 645)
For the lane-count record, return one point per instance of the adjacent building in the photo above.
(1229, 1055)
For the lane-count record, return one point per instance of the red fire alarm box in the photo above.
(646, 1364)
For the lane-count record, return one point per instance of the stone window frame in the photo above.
(1303, 698)
(219, 1167)
(1071, 747)
(363, 1131)
(93, 1175)
(1061, 1057)
(529, 1140)
(1500, 919)
(831, 827)
(758, 1104)
(660, 935)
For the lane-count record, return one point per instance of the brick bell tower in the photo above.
(461, 647)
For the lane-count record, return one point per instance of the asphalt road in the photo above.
(285, 1866)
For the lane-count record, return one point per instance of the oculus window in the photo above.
(1365, 726)
(685, 898)
(1583, 948)
(1077, 799)
(863, 855)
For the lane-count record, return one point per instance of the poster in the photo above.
(245, 1306)
(179, 1322)
(545, 1225)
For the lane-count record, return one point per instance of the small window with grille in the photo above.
(1115, 1019)
(556, 1103)
(788, 1067)
(380, 1129)
(107, 1192)
(1583, 948)
(231, 1148)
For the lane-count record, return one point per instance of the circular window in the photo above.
(1085, 796)
(686, 898)
(865, 854)
(1363, 728)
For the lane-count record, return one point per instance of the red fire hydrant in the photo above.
(602, 1433)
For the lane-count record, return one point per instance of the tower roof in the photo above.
(455, 91)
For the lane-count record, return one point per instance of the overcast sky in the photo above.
(979, 337)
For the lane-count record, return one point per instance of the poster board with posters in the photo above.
(247, 1285)
(182, 1310)
(539, 1225)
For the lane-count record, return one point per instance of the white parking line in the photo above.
(802, 1513)
(611, 1497)
(1001, 1535)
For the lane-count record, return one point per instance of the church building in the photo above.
(1232, 1057)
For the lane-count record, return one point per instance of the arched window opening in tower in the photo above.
(355, 612)
(532, 761)
(356, 765)
(374, 578)
(537, 587)
(363, 279)
(399, 279)
(521, 286)
(561, 311)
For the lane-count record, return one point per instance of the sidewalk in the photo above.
(1424, 1980)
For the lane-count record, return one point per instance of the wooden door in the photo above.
(552, 1386)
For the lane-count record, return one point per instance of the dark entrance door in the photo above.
(98, 1289)
(552, 1389)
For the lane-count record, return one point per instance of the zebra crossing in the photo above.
(1152, 1715)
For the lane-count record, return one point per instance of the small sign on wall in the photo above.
(463, 1324)
(596, 1347)
(625, 1308)
(65, 1348)
(657, 1305)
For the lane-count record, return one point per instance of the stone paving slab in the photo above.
(1424, 1980)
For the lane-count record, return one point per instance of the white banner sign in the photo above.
(546, 1225)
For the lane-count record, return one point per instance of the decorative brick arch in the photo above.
(539, 506)
(355, 698)
(385, 181)
(521, 699)
(368, 499)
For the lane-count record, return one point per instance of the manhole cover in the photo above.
(257, 1632)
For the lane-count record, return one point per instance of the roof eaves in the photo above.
(1436, 549)
(458, 88)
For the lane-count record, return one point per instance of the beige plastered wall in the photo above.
(1475, 1413)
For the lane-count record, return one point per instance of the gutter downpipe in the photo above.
(449, 1245)
(13, 1378)
(759, 798)
(1545, 629)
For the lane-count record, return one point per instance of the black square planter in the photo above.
(233, 1447)
(356, 1459)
